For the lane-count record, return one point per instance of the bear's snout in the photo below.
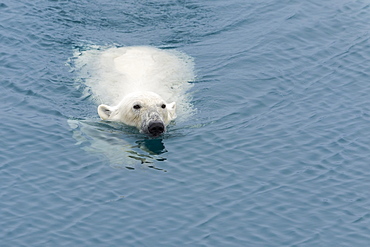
(155, 128)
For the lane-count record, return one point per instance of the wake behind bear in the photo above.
(139, 86)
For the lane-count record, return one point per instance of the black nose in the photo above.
(156, 128)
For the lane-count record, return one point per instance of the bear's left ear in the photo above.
(171, 108)
(105, 111)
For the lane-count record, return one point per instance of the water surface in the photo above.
(277, 153)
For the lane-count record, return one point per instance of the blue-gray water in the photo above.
(278, 153)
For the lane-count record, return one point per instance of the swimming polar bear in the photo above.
(146, 111)
(138, 85)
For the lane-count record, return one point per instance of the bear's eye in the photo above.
(163, 106)
(137, 107)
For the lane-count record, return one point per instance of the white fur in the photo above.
(120, 78)
(150, 110)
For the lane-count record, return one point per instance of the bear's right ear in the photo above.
(171, 109)
(105, 111)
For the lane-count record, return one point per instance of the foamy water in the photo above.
(110, 73)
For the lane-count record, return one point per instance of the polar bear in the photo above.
(144, 110)
(138, 85)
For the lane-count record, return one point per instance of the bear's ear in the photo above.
(105, 111)
(171, 108)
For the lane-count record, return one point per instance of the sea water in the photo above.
(276, 152)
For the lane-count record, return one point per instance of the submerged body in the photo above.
(139, 86)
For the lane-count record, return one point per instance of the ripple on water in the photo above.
(277, 154)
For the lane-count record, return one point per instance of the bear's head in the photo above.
(147, 111)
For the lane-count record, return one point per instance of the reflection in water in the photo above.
(152, 146)
(115, 141)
